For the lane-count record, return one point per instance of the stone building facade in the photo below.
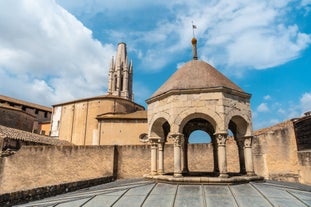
(104, 120)
(16, 118)
(86, 122)
(25, 115)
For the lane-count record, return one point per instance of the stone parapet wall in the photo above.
(305, 166)
(200, 157)
(133, 161)
(38, 166)
(275, 152)
(276, 156)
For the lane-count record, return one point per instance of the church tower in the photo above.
(121, 75)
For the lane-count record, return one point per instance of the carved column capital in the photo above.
(154, 141)
(178, 138)
(248, 141)
(221, 139)
(240, 142)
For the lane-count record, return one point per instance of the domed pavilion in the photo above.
(198, 97)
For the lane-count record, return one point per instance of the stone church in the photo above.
(112, 119)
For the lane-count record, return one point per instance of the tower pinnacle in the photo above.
(120, 74)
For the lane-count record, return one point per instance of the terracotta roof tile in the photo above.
(196, 74)
(7, 132)
(20, 102)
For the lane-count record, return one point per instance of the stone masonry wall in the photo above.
(16, 119)
(303, 132)
(38, 166)
(305, 166)
(134, 160)
(275, 153)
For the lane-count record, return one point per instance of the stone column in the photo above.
(161, 157)
(248, 156)
(215, 155)
(154, 149)
(221, 151)
(185, 157)
(178, 141)
(240, 143)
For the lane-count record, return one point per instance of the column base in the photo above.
(185, 171)
(177, 175)
(153, 173)
(160, 173)
(252, 173)
(223, 175)
(243, 172)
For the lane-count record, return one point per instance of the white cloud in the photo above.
(267, 97)
(263, 107)
(281, 111)
(241, 34)
(47, 52)
(273, 121)
(306, 3)
(305, 102)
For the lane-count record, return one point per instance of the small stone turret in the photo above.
(120, 74)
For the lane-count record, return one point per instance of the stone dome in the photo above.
(196, 74)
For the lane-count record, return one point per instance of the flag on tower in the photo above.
(194, 26)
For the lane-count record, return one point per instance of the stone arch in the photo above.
(239, 126)
(160, 128)
(187, 115)
(158, 115)
(156, 123)
(198, 121)
(158, 133)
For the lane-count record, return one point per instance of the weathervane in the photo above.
(193, 28)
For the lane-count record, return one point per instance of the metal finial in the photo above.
(194, 43)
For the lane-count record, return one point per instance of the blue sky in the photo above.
(56, 51)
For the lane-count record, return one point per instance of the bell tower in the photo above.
(121, 74)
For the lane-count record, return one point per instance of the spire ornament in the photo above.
(194, 43)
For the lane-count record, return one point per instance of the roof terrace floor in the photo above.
(146, 193)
